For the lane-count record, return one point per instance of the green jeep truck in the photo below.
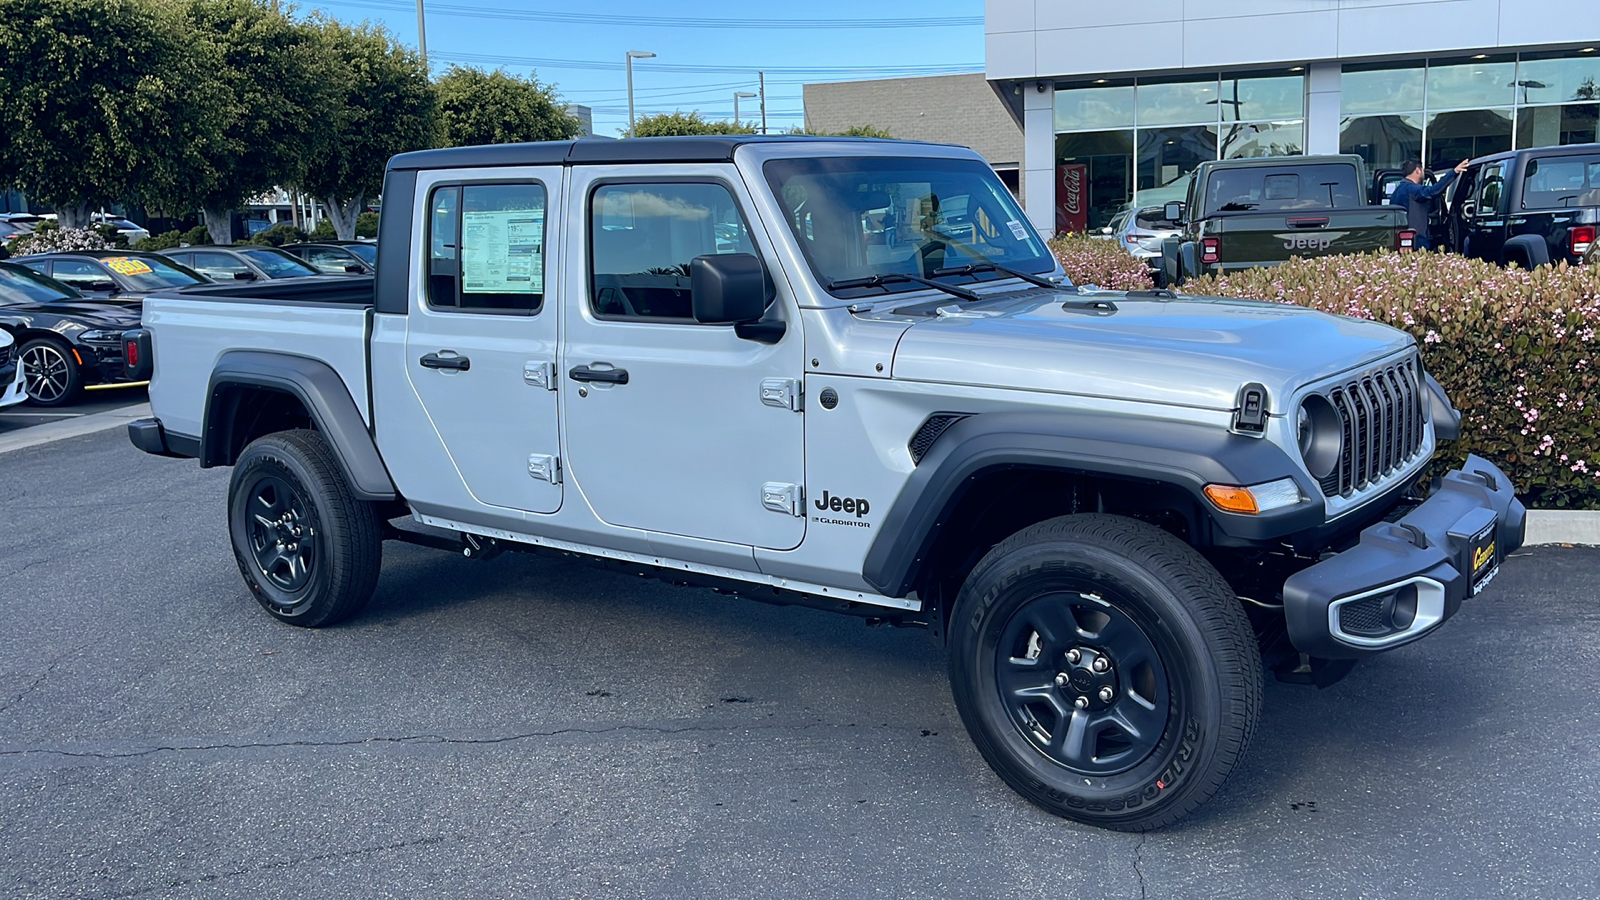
(1243, 213)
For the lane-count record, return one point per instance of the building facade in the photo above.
(1119, 103)
(944, 109)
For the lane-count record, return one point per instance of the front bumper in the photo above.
(1405, 578)
(12, 387)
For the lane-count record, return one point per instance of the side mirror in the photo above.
(1106, 229)
(244, 276)
(1173, 212)
(356, 269)
(728, 288)
(99, 287)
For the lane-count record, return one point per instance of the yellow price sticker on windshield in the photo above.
(123, 265)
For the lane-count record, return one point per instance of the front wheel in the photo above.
(1105, 670)
(50, 373)
(309, 549)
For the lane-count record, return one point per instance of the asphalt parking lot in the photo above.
(25, 415)
(525, 727)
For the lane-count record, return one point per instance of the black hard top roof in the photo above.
(1561, 150)
(91, 254)
(708, 148)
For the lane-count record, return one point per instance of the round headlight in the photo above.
(1319, 433)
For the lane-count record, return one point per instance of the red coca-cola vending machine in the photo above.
(1072, 198)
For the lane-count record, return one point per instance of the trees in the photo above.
(104, 101)
(384, 104)
(680, 123)
(280, 97)
(478, 107)
(865, 131)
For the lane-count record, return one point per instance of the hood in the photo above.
(1189, 351)
(91, 313)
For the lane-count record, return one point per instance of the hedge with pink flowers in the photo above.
(1101, 262)
(1516, 350)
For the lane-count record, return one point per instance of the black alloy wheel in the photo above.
(50, 375)
(308, 548)
(1082, 681)
(282, 536)
(1105, 670)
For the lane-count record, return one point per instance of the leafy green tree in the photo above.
(681, 123)
(385, 105)
(280, 102)
(105, 101)
(866, 131)
(324, 231)
(478, 107)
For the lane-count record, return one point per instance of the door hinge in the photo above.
(545, 467)
(783, 497)
(540, 374)
(783, 393)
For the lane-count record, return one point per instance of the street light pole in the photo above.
(632, 55)
(422, 35)
(763, 89)
(736, 96)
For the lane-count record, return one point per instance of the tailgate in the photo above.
(1268, 238)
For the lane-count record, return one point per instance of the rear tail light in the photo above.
(136, 356)
(1211, 249)
(130, 353)
(1405, 239)
(1582, 238)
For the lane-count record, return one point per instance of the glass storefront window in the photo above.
(1467, 134)
(1253, 139)
(1553, 80)
(1471, 83)
(1177, 102)
(1247, 99)
(1383, 141)
(1365, 90)
(1106, 156)
(1551, 126)
(1165, 154)
(1094, 108)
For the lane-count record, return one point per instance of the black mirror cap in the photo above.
(728, 288)
(1173, 211)
(244, 276)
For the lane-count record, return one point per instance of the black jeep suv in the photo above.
(1529, 207)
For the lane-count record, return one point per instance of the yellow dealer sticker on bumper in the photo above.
(123, 265)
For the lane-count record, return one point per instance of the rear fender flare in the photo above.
(1528, 249)
(1184, 455)
(320, 390)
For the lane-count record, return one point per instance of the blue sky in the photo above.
(698, 65)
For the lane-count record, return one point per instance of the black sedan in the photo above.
(65, 341)
(338, 257)
(240, 263)
(118, 275)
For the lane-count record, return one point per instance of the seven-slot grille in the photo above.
(1380, 412)
(5, 355)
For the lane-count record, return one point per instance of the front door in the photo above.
(1486, 222)
(668, 426)
(481, 350)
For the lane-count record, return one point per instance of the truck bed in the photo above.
(346, 290)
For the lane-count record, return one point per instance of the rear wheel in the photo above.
(1105, 670)
(308, 548)
(50, 373)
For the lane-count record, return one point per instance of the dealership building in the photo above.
(1118, 102)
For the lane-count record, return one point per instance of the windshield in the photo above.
(368, 252)
(1562, 181)
(278, 264)
(1282, 188)
(150, 273)
(23, 285)
(860, 217)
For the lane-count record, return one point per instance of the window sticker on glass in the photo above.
(502, 251)
(1017, 231)
(123, 265)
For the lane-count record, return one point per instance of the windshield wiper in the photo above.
(896, 277)
(974, 268)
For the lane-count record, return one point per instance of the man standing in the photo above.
(1417, 200)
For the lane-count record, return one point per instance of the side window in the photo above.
(1489, 190)
(325, 260)
(486, 247)
(85, 276)
(642, 238)
(219, 266)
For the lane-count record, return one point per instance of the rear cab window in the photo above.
(1282, 188)
(1559, 182)
(486, 247)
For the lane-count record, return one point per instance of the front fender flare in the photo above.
(1184, 455)
(323, 393)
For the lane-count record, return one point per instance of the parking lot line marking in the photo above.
(77, 426)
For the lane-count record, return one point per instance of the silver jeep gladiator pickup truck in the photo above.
(846, 373)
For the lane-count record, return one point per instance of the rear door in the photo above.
(673, 426)
(481, 349)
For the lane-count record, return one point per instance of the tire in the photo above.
(308, 549)
(51, 375)
(1027, 633)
